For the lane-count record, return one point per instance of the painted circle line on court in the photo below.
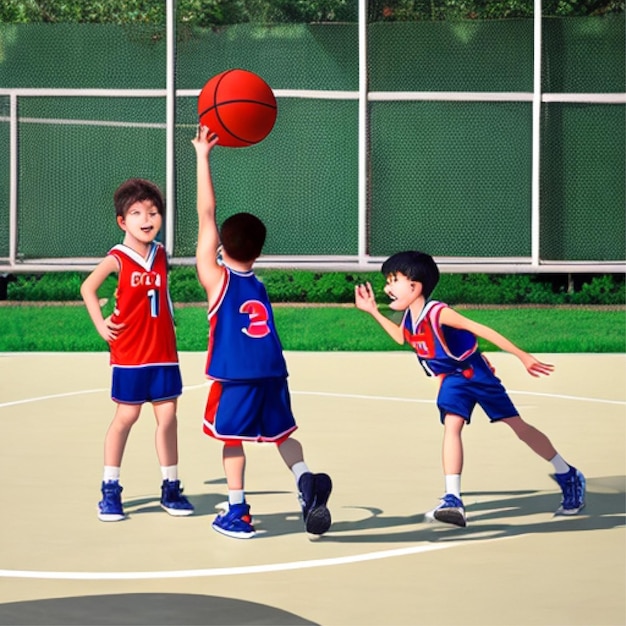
(417, 400)
(232, 571)
(275, 567)
(353, 396)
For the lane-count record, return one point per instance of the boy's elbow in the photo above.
(85, 291)
(397, 334)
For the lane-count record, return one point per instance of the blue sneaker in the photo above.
(236, 522)
(110, 507)
(449, 511)
(314, 491)
(173, 500)
(573, 485)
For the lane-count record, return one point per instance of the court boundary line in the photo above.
(245, 569)
(329, 394)
(264, 568)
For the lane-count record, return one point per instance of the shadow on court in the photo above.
(206, 504)
(379, 564)
(487, 511)
(145, 609)
(605, 509)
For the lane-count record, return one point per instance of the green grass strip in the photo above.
(554, 330)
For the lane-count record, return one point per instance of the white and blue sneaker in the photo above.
(573, 486)
(110, 507)
(449, 511)
(173, 500)
(235, 522)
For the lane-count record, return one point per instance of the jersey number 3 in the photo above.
(257, 313)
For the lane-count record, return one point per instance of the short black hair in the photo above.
(417, 266)
(243, 236)
(137, 190)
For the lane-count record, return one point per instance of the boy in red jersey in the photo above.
(142, 344)
(249, 397)
(446, 346)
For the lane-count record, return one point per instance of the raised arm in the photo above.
(366, 301)
(535, 368)
(209, 272)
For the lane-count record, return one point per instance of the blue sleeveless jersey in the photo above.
(243, 342)
(440, 349)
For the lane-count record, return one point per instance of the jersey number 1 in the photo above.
(153, 296)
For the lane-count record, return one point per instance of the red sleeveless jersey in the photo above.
(143, 305)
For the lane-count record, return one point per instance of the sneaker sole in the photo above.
(318, 521)
(234, 535)
(177, 512)
(450, 516)
(562, 511)
(110, 517)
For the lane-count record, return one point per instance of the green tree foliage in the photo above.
(415, 10)
(215, 13)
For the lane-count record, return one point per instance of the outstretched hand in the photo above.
(535, 367)
(205, 140)
(364, 298)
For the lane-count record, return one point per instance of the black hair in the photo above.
(243, 236)
(137, 190)
(417, 266)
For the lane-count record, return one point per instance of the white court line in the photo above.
(353, 396)
(273, 567)
(73, 393)
(416, 400)
(563, 397)
(246, 569)
(357, 396)
(51, 397)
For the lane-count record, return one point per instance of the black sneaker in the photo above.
(314, 491)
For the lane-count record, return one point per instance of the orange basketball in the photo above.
(239, 107)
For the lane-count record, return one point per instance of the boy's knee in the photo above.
(281, 441)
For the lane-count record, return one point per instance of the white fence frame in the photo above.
(362, 261)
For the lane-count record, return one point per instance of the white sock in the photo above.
(236, 496)
(111, 473)
(453, 484)
(298, 469)
(169, 472)
(560, 466)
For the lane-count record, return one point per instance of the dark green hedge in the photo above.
(338, 287)
(215, 13)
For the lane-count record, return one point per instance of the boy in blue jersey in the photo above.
(249, 398)
(446, 346)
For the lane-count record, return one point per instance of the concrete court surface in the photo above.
(369, 420)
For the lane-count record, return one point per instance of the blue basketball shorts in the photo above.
(149, 383)
(460, 393)
(258, 410)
